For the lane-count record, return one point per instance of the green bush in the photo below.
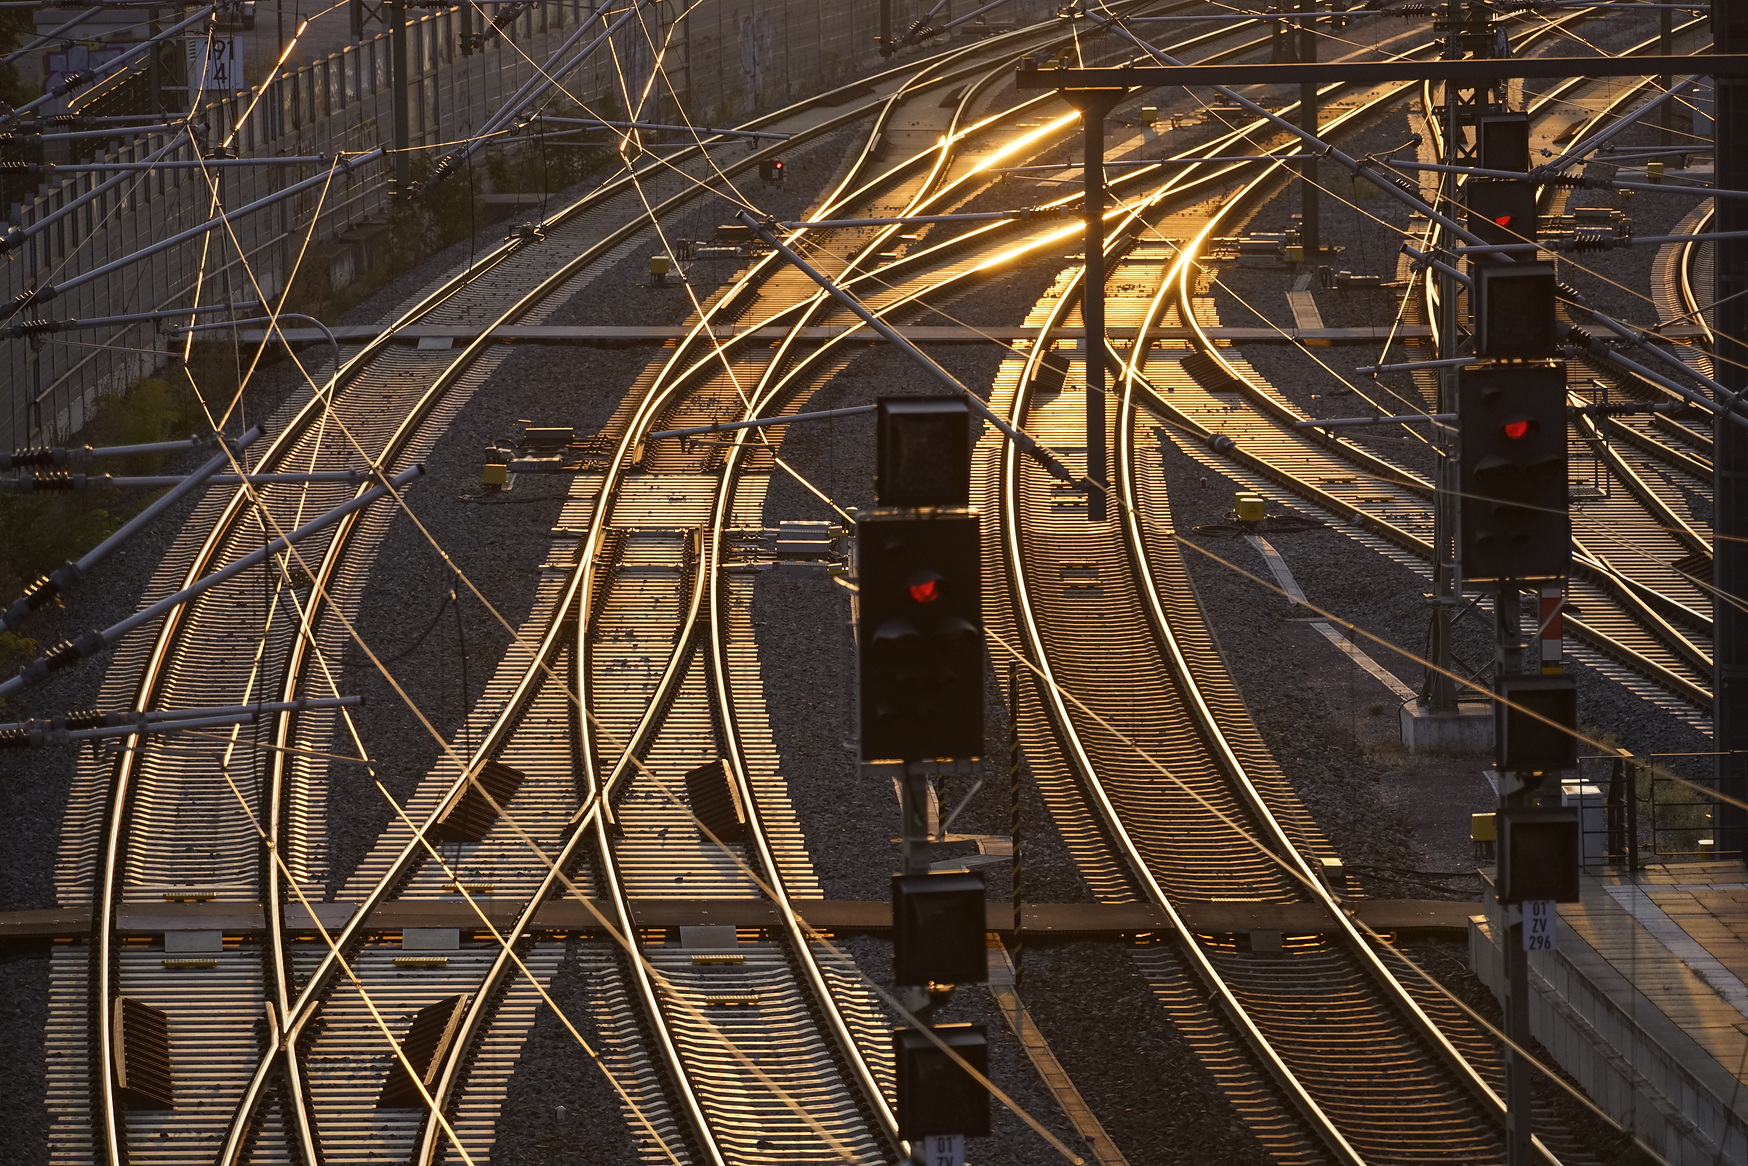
(42, 531)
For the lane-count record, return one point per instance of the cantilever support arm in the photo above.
(50, 585)
(1044, 455)
(92, 642)
(71, 727)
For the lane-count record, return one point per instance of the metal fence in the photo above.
(725, 59)
(1633, 811)
(339, 104)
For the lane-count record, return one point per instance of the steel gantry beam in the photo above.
(1029, 75)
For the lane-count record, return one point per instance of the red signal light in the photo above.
(927, 591)
(1503, 220)
(1517, 430)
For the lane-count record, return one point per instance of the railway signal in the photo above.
(771, 172)
(1514, 311)
(938, 928)
(1535, 724)
(942, 1098)
(1502, 141)
(1538, 854)
(1515, 522)
(924, 452)
(920, 636)
(1501, 210)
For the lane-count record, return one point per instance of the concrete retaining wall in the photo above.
(1635, 1063)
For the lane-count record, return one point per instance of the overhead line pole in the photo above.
(398, 82)
(1094, 105)
(1310, 219)
(1438, 688)
(1730, 448)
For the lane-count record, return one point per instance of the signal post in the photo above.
(921, 667)
(1515, 533)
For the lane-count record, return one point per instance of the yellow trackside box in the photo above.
(1481, 828)
(1250, 507)
(494, 475)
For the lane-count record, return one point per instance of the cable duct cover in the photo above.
(473, 813)
(142, 1055)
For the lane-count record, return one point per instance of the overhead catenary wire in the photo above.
(80, 78)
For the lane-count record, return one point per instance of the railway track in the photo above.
(1637, 618)
(310, 1087)
(189, 840)
(637, 665)
(1186, 803)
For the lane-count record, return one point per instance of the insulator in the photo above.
(33, 295)
(7, 167)
(60, 651)
(14, 738)
(1592, 243)
(55, 480)
(87, 719)
(40, 592)
(36, 455)
(1566, 291)
(39, 325)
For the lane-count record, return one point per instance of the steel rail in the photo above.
(1112, 821)
(1138, 546)
(1406, 1003)
(1174, 292)
(472, 1023)
(592, 824)
(291, 1021)
(646, 725)
(1276, 838)
(1296, 1095)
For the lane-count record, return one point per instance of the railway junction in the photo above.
(875, 581)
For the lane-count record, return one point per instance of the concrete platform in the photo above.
(1645, 1003)
(1468, 730)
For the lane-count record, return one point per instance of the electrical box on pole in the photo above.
(1535, 724)
(1514, 314)
(924, 452)
(937, 929)
(1538, 854)
(920, 635)
(1502, 141)
(938, 1094)
(1501, 210)
(1515, 522)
